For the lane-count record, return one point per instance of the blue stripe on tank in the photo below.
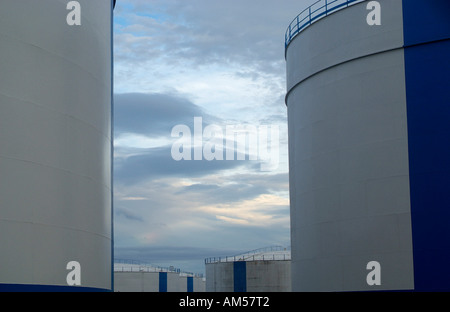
(427, 73)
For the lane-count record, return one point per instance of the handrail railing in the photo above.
(313, 13)
(266, 253)
(129, 265)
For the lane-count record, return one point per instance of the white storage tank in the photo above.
(262, 270)
(136, 276)
(369, 124)
(55, 145)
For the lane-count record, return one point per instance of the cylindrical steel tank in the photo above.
(369, 125)
(136, 276)
(55, 145)
(262, 270)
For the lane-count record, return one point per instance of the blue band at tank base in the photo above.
(47, 288)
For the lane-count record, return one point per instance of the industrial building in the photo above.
(262, 270)
(135, 276)
(369, 126)
(56, 145)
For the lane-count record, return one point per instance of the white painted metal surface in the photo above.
(55, 143)
(348, 151)
(266, 270)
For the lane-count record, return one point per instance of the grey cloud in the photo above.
(250, 32)
(153, 114)
(222, 194)
(157, 162)
(125, 213)
(159, 253)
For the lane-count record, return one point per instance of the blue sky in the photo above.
(176, 60)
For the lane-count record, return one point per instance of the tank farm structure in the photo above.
(56, 145)
(369, 145)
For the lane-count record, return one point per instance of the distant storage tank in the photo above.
(55, 145)
(262, 270)
(130, 276)
(369, 131)
(145, 281)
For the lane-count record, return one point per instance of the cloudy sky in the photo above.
(185, 72)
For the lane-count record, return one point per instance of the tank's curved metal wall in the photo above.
(368, 118)
(249, 276)
(55, 144)
(349, 178)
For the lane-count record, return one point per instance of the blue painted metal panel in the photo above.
(240, 276)
(47, 288)
(427, 70)
(162, 281)
(425, 21)
(190, 284)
